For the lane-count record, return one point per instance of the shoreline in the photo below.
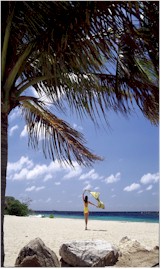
(19, 231)
(102, 217)
(97, 219)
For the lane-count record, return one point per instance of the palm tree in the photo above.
(90, 56)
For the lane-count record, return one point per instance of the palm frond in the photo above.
(84, 38)
(60, 141)
(93, 56)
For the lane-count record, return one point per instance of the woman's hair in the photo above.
(86, 199)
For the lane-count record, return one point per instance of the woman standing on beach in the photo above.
(86, 210)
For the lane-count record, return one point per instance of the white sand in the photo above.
(18, 231)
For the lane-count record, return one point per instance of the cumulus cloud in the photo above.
(48, 200)
(91, 175)
(30, 188)
(31, 174)
(73, 171)
(40, 188)
(140, 191)
(77, 127)
(14, 114)
(113, 178)
(24, 132)
(57, 183)
(87, 187)
(21, 175)
(34, 188)
(37, 171)
(13, 129)
(56, 166)
(17, 166)
(25, 169)
(150, 178)
(149, 187)
(132, 187)
(47, 177)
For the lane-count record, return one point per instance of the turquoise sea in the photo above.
(141, 216)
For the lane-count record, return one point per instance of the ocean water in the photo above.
(141, 216)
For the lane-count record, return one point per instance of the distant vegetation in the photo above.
(15, 207)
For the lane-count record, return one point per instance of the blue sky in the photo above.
(127, 178)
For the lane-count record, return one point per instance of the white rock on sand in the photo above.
(18, 231)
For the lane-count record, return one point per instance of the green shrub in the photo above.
(15, 207)
(51, 216)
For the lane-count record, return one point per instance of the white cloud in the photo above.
(30, 188)
(56, 166)
(40, 188)
(34, 188)
(73, 171)
(149, 187)
(91, 174)
(24, 132)
(75, 126)
(25, 169)
(140, 191)
(12, 129)
(14, 114)
(132, 187)
(113, 178)
(37, 171)
(87, 187)
(57, 183)
(150, 178)
(17, 166)
(22, 175)
(48, 200)
(47, 177)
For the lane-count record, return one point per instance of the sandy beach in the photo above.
(18, 231)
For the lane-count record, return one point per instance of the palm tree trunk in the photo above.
(4, 158)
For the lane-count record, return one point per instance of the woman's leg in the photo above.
(86, 219)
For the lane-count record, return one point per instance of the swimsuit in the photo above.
(85, 208)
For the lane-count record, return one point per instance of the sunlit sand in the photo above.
(18, 231)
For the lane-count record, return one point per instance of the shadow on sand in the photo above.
(96, 230)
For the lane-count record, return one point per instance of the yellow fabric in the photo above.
(101, 205)
(85, 208)
(96, 196)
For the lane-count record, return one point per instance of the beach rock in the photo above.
(36, 254)
(133, 254)
(88, 253)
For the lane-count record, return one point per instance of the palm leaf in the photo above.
(77, 46)
(60, 141)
